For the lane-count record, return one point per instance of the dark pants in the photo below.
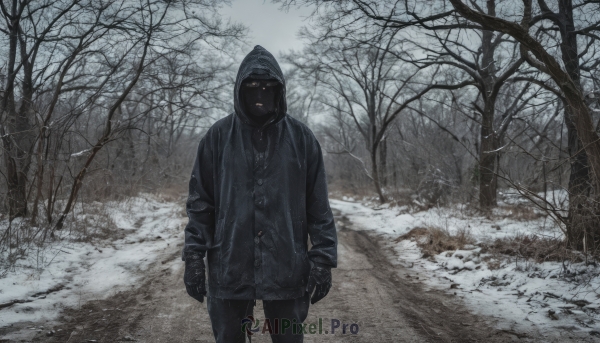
(226, 318)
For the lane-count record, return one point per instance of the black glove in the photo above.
(319, 278)
(194, 277)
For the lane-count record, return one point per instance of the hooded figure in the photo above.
(257, 193)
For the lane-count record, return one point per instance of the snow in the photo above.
(81, 153)
(146, 227)
(522, 294)
(398, 221)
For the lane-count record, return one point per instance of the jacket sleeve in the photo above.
(321, 224)
(200, 206)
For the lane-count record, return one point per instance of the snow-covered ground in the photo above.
(520, 293)
(139, 235)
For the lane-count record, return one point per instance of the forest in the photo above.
(489, 107)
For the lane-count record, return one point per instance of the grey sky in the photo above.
(270, 27)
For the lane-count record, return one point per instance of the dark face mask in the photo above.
(260, 96)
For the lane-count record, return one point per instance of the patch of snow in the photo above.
(549, 296)
(72, 271)
(80, 153)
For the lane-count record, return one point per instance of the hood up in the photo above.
(259, 63)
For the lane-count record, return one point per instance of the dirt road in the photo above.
(368, 291)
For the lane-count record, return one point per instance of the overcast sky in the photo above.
(270, 27)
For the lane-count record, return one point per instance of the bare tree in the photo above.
(83, 74)
(567, 81)
(359, 69)
(489, 66)
(559, 40)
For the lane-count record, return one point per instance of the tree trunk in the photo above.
(487, 160)
(582, 220)
(487, 156)
(8, 123)
(579, 111)
(16, 126)
(383, 163)
(375, 173)
(23, 137)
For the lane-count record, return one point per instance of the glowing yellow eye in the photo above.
(252, 84)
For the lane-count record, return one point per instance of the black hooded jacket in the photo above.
(251, 211)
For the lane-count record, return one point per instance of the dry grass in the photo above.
(174, 192)
(93, 224)
(533, 247)
(351, 190)
(493, 263)
(416, 233)
(433, 240)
